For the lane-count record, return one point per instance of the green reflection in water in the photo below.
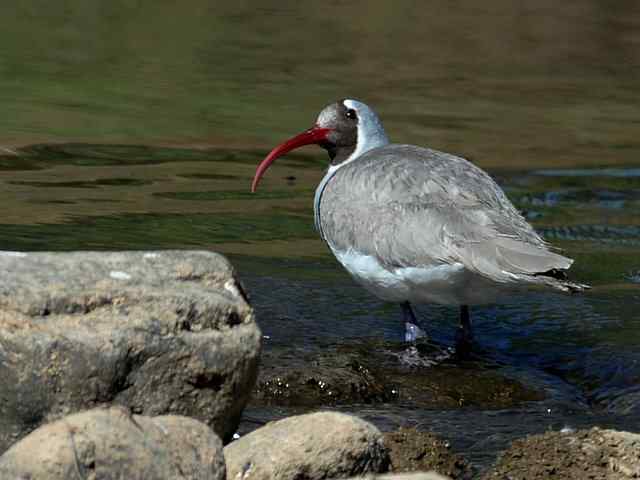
(134, 207)
(236, 195)
(107, 182)
(502, 83)
(42, 156)
(95, 155)
(212, 176)
(602, 264)
(154, 231)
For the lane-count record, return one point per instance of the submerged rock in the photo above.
(158, 332)
(595, 454)
(112, 443)
(315, 446)
(412, 450)
(369, 371)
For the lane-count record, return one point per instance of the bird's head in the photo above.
(346, 129)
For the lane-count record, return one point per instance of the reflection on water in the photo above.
(505, 83)
(83, 184)
(591, 172)
(544, 95)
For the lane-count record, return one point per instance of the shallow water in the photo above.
(580, 350)
(139, 126)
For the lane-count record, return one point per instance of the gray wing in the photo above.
(411, 206)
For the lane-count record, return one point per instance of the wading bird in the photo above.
(415, 225)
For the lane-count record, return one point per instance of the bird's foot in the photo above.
(413, 332)
(414, 355)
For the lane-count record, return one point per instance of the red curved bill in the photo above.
(314, 135)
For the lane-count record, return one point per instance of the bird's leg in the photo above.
(411, 329)
(464, 335)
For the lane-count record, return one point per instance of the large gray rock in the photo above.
(315, 446)
(158, 332)
(104, 444)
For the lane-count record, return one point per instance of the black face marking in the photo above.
(342, 141)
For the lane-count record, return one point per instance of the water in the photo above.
(139, 125)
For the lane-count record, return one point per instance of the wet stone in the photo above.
(314, 446)
(110, 443)
(412, 450)
(372, 371)
(317, 380)
(594, 454)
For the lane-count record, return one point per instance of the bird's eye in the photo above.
(351, 114)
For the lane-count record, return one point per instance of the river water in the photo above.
(138, 125)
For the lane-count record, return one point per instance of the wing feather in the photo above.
(411, 206)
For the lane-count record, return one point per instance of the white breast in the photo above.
(447, 284)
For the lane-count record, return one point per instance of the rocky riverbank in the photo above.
(157, 332)
(140, 364)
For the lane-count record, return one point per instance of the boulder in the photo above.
(595, 454)
(314, 446)
(158, 332)
(413, 450)
(110, 443)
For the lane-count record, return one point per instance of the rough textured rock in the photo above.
(159, 332)
(314, 446)
(374, 371)
(110, 443)
(593, 454)
(412, 450)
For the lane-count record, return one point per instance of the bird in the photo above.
(415, 225)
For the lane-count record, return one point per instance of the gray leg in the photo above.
(411, 330)
(464, 335)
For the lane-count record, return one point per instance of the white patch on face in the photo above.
(371, 134)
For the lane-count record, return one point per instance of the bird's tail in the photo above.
(559, 281)
(573, 287)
